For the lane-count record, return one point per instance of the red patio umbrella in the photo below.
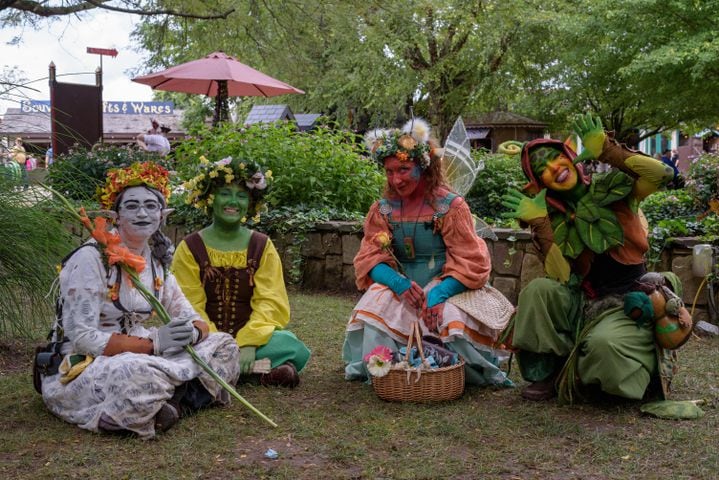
(217, 75)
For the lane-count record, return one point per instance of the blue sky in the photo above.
(64, 41)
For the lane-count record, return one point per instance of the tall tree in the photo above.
(363, 62)
(644, 66)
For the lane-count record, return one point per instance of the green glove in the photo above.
(523, 207)
(589, 128)
(247, 358)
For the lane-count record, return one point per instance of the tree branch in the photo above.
(42, 10)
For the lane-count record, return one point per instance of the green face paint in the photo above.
(539, 157)
(230, 204)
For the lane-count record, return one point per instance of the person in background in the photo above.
(18, 155)
(158, 143)
(49, 157)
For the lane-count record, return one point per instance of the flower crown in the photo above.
(211, 175)
(149, 174)
(411, 142)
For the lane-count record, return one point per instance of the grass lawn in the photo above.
(330, 428)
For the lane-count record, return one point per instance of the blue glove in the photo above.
(388, 276)
(446, 288)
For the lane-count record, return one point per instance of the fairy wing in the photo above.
(483, 229)
(460, 169)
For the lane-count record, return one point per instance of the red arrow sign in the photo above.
(102, 51)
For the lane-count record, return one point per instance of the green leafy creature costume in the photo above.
(592, 239)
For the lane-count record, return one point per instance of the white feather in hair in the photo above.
(372, 137)
(418, 128)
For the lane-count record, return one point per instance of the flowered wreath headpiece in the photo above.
(225, 172)
(149, 174)
(411, 142)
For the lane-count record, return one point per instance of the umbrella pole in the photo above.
(221, 114)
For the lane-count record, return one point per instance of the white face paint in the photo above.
(139, 214)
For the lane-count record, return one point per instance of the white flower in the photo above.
(224, 161)
(256, 181)
(378, 366)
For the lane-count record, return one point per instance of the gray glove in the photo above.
(175, 334)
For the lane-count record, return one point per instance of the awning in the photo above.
(477, 133)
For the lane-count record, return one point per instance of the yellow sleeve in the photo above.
(187, 274)
(270, 305)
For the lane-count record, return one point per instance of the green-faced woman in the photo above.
(232, 274)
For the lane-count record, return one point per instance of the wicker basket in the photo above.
(410, 385)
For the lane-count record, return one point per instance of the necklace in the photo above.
(409, 241)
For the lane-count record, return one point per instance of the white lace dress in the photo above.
(128, 388)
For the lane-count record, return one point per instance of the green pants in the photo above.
(284, 347)
(616, 354)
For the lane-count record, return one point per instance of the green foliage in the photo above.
(33, 240)
(319, 170)
(501, 173)
(703, 179)
(668, 204)
(80, 172)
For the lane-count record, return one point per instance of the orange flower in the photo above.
(402, 156)
(158, 283)
(85, 219)
(119, 254)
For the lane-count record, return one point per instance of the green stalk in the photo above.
(165, 317)
(162, 313)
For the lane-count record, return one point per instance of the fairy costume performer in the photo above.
(593, 242)
(120, 373)
(419, 249)
(232, 275)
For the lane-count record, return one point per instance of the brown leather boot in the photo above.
(542, 390)
(283, 376)
(166, 417)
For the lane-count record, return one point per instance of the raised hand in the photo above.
(589, 128)
(523, 207)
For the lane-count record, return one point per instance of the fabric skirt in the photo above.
(130, 388)
(382, 318)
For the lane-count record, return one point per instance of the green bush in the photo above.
(669, 204)
(321, 170)
(703, 179)
(500, 174)
(78, 173)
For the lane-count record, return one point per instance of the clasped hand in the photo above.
(523, 207)
(415, 297)
(176, 334)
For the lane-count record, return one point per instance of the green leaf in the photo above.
(566, 236)
(609, 188)
(601, 234)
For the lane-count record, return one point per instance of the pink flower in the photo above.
(382, 352)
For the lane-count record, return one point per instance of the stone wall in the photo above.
(327, 253)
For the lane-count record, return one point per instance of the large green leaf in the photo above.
(602, 233)
(609, 188)
(566, 236)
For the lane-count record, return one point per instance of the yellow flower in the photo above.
(204, 159)
(229, 178)
(256, 218)
(214, 174)
(243, 219)
(382, 239)
(268, 174)
(242, 166)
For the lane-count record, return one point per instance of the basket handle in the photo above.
(415, 334)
